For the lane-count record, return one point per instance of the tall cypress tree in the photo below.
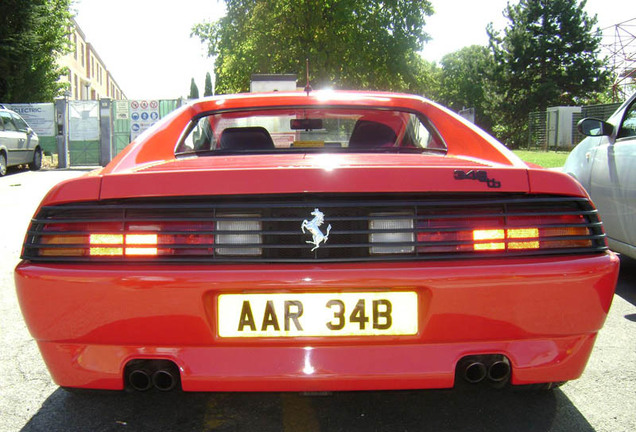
(208, 85)
(194, 90)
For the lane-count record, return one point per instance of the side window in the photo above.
(628, 128)
(8, 123)
(419, 134)
(201, 137)
(21, 124)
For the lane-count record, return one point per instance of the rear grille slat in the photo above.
(192, 224)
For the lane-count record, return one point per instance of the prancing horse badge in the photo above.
(313, 227)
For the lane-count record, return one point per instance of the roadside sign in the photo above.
(40, 116)
(121, 110)
(143, 114)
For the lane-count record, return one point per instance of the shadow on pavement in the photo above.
(436, 410)
(626, 287)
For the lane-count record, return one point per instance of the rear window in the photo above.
(310, 130)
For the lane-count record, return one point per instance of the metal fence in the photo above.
(545, 126)
(91, 132)
(538, 131)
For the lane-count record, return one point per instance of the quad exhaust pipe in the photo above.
(494, 368)
(164, 380)
(475, 372)
(499, 371)
(139, 380)
(143, 375)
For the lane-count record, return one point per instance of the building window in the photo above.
(75, 45)
(83, 55)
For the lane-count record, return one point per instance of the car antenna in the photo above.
(308, 88)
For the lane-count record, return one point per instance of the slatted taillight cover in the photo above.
(268, 228)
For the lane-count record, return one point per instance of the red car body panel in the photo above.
(90, 320)
(169, 313)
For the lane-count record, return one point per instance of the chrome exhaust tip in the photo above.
(164, 380)
(144, 374)
(475, 372)
(499, 371)
(140, 380)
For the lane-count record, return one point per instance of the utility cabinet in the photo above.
(559, 131)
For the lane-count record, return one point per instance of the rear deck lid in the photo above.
(314, 173)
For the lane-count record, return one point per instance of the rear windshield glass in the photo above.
(310, 130)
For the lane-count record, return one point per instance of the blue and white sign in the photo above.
(144, 114)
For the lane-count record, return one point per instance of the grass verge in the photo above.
(549, 159)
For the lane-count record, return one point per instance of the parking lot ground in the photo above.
(604, 399)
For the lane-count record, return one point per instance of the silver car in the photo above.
(605, 164)
(19, 144)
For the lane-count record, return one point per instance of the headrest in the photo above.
(246, 138)
(370, 134)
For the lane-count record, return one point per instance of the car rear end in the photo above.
(316, 271)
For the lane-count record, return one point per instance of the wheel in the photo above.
(36, 164)
(3, 164)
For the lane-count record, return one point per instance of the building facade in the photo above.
(88, 75)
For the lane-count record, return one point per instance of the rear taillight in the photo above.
(131, 239)
(355, 228)
(391, 233)
(504, 233)
(239, 235)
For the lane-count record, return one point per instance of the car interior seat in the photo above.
(246, 138)
(370, 134)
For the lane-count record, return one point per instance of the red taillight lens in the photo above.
(511, 233)
(138, 239)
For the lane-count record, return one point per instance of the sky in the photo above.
(147, 47)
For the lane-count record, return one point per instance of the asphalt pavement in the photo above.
(604, 399)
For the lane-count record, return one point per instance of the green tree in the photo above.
(547, 56)
(194, 90)
(208, 85)
(350, 43)
(467, 82)
(33, 34)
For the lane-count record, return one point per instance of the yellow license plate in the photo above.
(318, 314)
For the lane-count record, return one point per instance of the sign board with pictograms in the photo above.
(143, 115)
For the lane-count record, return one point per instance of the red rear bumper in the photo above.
(542, 313)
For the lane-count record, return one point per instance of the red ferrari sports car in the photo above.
(319, 241)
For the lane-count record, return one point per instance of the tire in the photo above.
(36, 164)
(3, 164)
